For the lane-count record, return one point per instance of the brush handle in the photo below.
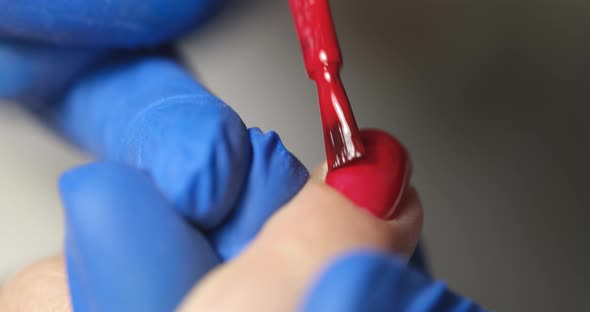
(323, 60)
(341, 135)
(317, 36)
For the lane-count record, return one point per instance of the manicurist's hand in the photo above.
(47, 46)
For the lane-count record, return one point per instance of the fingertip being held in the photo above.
(320, 210)
(274, 272)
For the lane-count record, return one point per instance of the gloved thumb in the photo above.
(126, 248)
(379, 282)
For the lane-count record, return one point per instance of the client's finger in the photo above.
(40, 287)
(317, 226)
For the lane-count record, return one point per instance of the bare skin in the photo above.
(40, 287)
(273, 273)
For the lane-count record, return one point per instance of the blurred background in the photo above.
(491, 97)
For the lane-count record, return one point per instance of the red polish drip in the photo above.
(370, 167)
(323, 61)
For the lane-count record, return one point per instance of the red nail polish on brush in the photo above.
(370, 167)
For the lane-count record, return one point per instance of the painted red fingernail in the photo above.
(378, 181)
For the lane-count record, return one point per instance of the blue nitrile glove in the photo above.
(44, 45)
(49, 43)
(127, 249)
(205, 166)
(99, 23)
(369, 281)
(151, 115)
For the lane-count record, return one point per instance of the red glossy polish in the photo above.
(378, 180)
(370, 167)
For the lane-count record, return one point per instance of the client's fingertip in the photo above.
(320, 211)
(316, 227)
(407, 223)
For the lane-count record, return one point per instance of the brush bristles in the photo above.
(342, 146)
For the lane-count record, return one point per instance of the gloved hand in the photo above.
(45, 45)
(65, 60)
(377, 282)
(215, 183)
(224, 179)
(113, 108)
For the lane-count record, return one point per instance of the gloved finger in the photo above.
(126, 248)
(98, 23)
(369, 281)
(33, 73)
(150, 114)
(274, 177)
